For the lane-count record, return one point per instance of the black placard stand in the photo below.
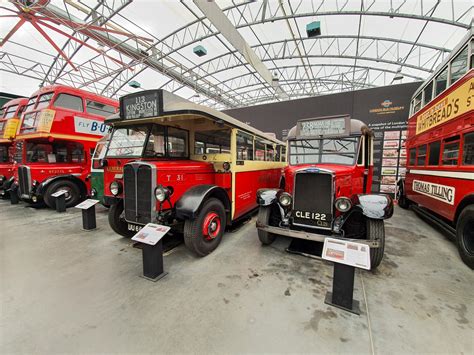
(153, 261)
(88, 219)
(61, 203)
(13, 197)
(343, 289)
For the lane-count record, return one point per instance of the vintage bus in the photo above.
(56, 138)
(176, 163)
(97, 170)
(326, 189)
(439, 181)
(9, 121)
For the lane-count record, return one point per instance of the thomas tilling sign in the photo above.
(440, 192)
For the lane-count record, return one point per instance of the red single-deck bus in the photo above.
(439, 181)
(176, 163)
(58, 133)
(9, 121)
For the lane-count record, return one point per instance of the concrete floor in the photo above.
(63, 290)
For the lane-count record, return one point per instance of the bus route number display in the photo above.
(140, 106)
(323, 127)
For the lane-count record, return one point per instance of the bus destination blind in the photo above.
(140, 106)
(323, 127)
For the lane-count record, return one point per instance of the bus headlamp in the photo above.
(343, 204)
(161, 193)
(93, 192)
(226, 166)
(285, 199)
(115, 188)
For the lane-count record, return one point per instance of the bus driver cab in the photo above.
(326, 189)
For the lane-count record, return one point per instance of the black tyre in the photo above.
(465, 235)
(403, 201)
(73, 194)
(117, 221)
(265, 217)
(203, 234)
(376, 231)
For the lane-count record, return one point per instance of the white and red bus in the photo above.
(439, 180)
(58, 133)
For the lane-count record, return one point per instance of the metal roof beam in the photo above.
(227, 29)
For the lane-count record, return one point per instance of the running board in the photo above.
(430, 218)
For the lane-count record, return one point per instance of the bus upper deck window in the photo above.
(428, 91)
(70, 102)
(44, 100)
(459, 66)
(417, 103)
(441, 81)
(468, 149)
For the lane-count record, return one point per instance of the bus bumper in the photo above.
(287, 232)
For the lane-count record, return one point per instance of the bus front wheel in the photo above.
(73, 193)
(203, 234)
(376, 231)
(465, 236)
(116, 221)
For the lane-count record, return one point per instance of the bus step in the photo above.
(435, 221)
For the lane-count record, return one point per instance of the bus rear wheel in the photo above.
(73, 193)
(465, 236)
(376, 231)
(403, 201)
(203, 234)
(116, 221)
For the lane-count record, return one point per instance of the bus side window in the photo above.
(468, 149)
(259, 150)
(277, 153)
(212, 142)
(412, 156)
(451, 151)
(433, 154)
(244, 146)
(70, 102)
(269, 153)
(459, 66)
(441, 81)
(421, 157)
(283, 154)
(417, 103)
(428, 91)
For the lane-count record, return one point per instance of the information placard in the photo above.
(59, 193)
(151, 234)
(85, 205)
(348, 253)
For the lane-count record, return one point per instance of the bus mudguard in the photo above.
(41, 189)
(187, 207)
(375, 206)
(266, 197)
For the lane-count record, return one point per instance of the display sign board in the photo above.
(151, 233)
(59, 193)
(348, 253)
(85, 205)
(324, 126)
(9, 128)
(90, 126)
(140, 105)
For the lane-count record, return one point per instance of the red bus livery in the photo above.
(58, 133)
(439, 182)
(176, 163)
(9, 121)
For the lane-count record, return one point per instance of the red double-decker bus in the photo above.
(58, 133)
(9, 121)
(439, 181)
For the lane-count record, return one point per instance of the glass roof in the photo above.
(106, 44)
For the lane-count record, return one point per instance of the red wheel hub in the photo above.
(211, 226)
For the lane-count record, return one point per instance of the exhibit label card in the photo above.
(348, 253)
(151, 233)
(59, 193)
(85, 205)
